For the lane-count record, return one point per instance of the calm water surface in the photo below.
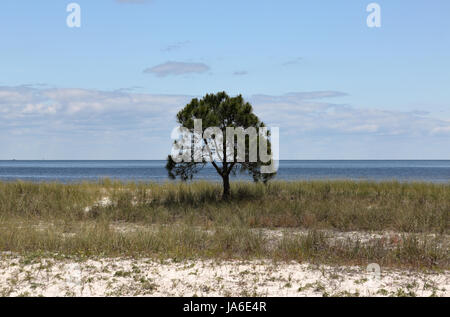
(76, 171)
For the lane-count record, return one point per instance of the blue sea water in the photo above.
(154, 171)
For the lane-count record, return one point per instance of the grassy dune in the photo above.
(189, 221)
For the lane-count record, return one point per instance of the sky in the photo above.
(337, 89)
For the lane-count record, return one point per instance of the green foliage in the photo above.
(221, 111)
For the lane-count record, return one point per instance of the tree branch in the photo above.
(212, 160)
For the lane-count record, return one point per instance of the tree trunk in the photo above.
(226, 187)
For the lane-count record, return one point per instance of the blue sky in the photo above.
(335, 88)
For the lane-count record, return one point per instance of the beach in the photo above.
(303, 238)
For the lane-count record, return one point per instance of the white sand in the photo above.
(144, 277)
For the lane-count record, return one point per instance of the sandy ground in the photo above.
(21, 276)
(144, 277)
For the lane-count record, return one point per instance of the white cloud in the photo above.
(72, 110)
(301, 111)
(306, 112)
(441, 130)
(104, 122)
(176, 68)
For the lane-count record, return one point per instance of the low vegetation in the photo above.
(189, 221)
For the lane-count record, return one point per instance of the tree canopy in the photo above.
(227, 152)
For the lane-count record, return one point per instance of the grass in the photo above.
(187, 221)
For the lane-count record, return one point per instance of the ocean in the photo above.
(154, 171)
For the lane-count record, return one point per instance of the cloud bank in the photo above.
(307, 112)
(71, 123)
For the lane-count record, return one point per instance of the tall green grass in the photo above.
(184, 242)
(340, 205)
(191, 220)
